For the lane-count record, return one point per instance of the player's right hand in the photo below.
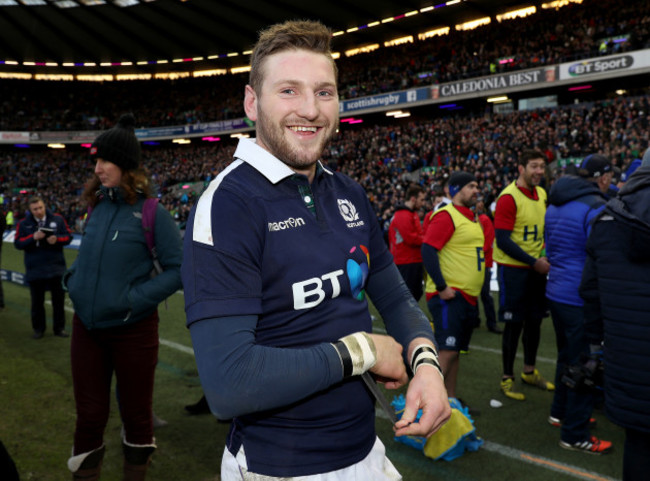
(389, 368)
(542, 265)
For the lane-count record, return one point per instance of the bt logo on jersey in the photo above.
(311, 292)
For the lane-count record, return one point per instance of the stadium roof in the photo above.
(93, 36)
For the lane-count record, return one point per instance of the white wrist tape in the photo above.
(357, 352)
(425, 354)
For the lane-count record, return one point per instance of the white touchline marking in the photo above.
(498, 351)
(177, 346)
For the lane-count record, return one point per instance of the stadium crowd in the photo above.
(383, 159)
(548, 37)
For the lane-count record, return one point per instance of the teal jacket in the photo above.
(110, 283)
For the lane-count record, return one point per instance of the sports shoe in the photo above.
(557, 422)
(592, 446)
(200, 407)
(507, 387)
(536, 379)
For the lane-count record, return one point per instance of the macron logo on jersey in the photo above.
(349, 213)
(289, 223)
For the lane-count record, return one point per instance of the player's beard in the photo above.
(274, 137)
(470, 202)
(531, 180)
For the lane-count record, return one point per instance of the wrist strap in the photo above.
(425, 354)
(357, 352)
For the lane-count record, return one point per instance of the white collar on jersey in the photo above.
(264, 162)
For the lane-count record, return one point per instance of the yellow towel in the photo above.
(448, 436)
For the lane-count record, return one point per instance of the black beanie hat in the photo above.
(119, 144)
(458, 180)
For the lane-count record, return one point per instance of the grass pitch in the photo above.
(37, 411)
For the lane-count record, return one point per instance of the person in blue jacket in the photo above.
(115, 297)
(615, 285)
(42, 235)
(574, 201)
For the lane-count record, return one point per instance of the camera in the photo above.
(587, 375)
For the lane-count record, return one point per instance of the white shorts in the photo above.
(374, 467)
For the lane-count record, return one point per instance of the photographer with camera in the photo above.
(615, 285)
(573, 202)
(42, 235)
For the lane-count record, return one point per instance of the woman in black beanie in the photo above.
(115, 296)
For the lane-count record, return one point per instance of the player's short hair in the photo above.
(290, 35)
(530, 154)
(413, 191)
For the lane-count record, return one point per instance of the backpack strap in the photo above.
(149, 221)
(148, 226)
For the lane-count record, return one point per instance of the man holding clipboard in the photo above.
(42, 235)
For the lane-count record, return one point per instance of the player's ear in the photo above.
(250, 103)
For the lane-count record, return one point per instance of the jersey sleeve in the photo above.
(241, 377)
(440, 230)
(488, 232)
(22, 239)
(222, 249)
(505, 213)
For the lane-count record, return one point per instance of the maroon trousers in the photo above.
(131, 352)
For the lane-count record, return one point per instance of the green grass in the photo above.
(37, 411)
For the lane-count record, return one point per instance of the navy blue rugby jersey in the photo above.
(265, 242)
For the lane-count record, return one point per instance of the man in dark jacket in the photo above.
(615, 285)
(42, 235)
(573, 203)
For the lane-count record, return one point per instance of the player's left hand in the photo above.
(426, 391)
(51, 239)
